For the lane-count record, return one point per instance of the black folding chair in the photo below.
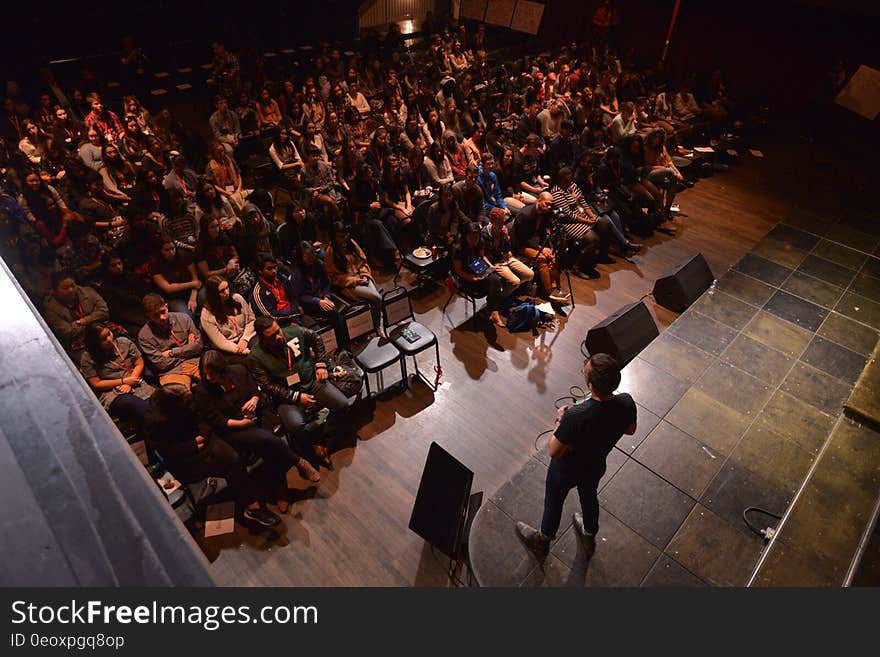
(407, 335)
(459, 288)
(376, 354)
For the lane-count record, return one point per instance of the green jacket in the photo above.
(306, 350)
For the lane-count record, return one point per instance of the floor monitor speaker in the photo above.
(624, 334)
(684, 284)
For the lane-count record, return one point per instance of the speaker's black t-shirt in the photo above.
(591, 429)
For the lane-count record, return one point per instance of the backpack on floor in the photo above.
(524, 317)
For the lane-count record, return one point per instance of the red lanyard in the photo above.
(79, 311)
(289, 361)
(183, 186)
(122, 362)
(174, 338)
(234, 324)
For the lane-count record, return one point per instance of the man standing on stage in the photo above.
(585, 434)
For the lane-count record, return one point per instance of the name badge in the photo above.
(230, 188)
(293, 379)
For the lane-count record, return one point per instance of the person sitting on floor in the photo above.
(191, 451)
(475, 273)
(170, 342)
(230, 402)
(175, 277)
(114, 368)
(499, 251)
(70, 309)
(227, 319)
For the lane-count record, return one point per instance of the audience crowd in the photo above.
(187, 283)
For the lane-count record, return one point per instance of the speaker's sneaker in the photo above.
(534, 540)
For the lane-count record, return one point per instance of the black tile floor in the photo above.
(735, 402)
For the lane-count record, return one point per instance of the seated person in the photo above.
(357, 100)
(182, 182)
(485, 281)
(117, 174)
(456, 154)
(114, 368)
(378, 150)
(273, 295)
(313, 139)
(90, 151)
(319, 184)
(437, 165)
(192, 452)
(311, 283)
(445, 219)
(215, 255)
(45, 208)
(268, 112)
(366, 195)
(229, 401)
(254, 236)
(583, 223)
(530, 237)
(69, 309)
(469, 196)
(81, 253)
(624, 123)
(223, 172)
(662, 171)
(225, 125)
(526, 173)
(633, 175)
(170, 342)
(290, 364)
(123, 292)
(563, 150)
(487, 180)
(211, 204)
(350, 272)
(298, 226)
(227, 319)
(499, 251)
(175, 278)
(101, 212)
(285, 156)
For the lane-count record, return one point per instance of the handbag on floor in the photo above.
(345, 374)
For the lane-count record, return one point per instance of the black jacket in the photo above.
(217, 406)
(531, 228)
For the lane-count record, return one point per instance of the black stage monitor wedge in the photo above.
(684, 284)
(440, 512)
(624, 334)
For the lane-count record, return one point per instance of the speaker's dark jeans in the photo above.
(560, 481)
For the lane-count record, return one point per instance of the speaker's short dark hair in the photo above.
(604, 374)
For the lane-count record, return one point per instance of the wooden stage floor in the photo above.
(498, 392)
